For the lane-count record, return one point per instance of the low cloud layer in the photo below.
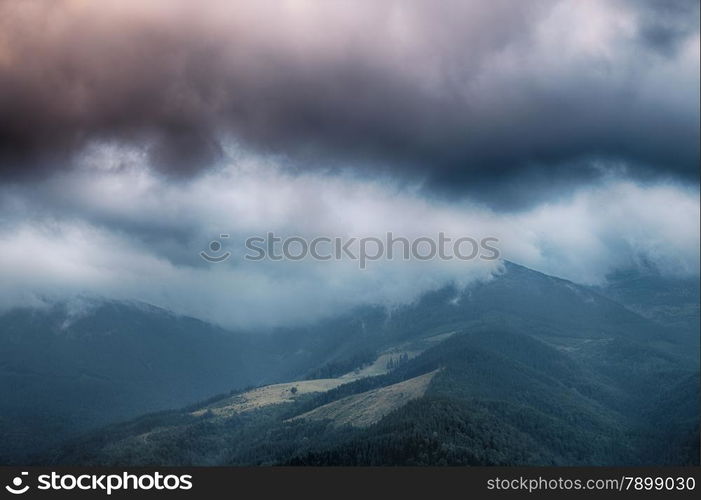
(508, 102)
(125, 234)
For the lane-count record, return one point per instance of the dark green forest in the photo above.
(500, 398)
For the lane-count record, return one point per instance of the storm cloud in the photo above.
(507, 102)
(132, 133)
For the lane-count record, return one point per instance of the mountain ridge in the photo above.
(592, 334)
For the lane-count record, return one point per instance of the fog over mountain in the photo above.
(128, 234)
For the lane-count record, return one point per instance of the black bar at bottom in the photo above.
(357, 482)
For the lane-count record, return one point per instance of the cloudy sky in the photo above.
(132, 133)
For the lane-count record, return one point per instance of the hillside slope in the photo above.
(64, 368)
(473, 399)
(367, 408)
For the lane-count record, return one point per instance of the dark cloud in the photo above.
(490, 98)
(664, 24)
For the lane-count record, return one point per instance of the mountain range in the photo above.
(524, 368)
